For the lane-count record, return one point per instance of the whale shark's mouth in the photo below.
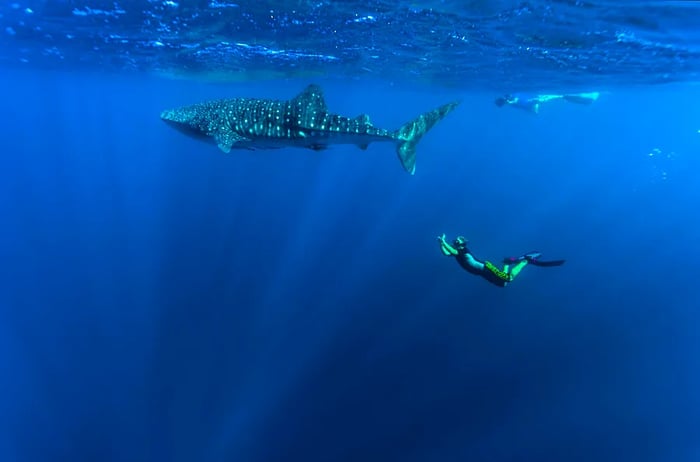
(174, 119)
(170, 116)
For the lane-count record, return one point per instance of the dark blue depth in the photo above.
(160, 300)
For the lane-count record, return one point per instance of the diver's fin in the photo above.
(547, 263)
(533, 258)
(410, 134)
(582, 98)
(530, 257)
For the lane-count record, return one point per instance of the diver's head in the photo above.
(505, 99)
(460, 243)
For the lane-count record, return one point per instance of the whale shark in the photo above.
(303, 121)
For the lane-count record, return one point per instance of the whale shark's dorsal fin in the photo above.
(363, 119)
(312, 96)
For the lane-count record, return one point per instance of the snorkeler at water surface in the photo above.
(531, 102)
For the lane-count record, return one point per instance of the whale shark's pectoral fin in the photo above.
(363, 146)
(312, 97)
(226, 139)
(224, 147)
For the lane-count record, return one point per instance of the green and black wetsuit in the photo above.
(485, 269)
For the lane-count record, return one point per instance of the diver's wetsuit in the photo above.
(486, 268)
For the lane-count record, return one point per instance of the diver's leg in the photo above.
(582, 98)
(516, 269)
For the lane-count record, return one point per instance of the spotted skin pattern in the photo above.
(304, 121)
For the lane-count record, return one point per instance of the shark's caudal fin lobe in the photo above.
(410, 134)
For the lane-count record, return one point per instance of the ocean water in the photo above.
(162, 301)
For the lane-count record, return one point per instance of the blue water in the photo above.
(162, 301)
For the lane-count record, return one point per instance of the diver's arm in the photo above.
(447, 249)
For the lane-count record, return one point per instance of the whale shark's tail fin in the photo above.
(410, 134)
